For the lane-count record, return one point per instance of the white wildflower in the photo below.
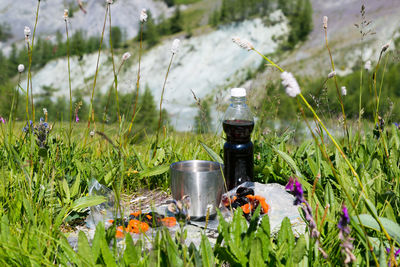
(385, 47)
(109, 2)
(45, 111)
(27, 32)
(344, 90)
(143, 15)
(332, 74)
(175, 46)
(290, 83)
(21, 68)
(367, 65)
(325, 20)
(65, 14)
(125, 56)
(91, 133)
(243, 43)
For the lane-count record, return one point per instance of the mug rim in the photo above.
(173, 166)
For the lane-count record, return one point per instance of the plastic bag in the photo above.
(104, 211)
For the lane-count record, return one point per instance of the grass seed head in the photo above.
(243, 43)
(385, 47)
(175, 46)
(143, 15)
(125, 56)
(344, 90)
(27, 33)
(21, 68)
(65, 14)
(368, 65)
(325, 22)
(331, 74)
(289, 82)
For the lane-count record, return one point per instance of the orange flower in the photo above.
(169, 221)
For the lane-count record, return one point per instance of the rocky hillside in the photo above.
(209, 62)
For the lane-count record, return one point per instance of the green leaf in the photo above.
(382, 255)
(66, 191)
(75, 187)
(154, 171)
(88, 201)
(293, 166)
(108, 177)
(131, 255)
(206, 252)
(256, 258)
(329, 196)
(84, 249)
(212, 154)
(172, 250)
(99, 236)
(392, 228)
(300, 249)
(106, 254)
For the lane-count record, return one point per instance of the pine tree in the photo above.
(150, 33)
(306, 22)
(176, 21)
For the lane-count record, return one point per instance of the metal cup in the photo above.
(202, 181)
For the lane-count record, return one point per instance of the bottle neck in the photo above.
(235, 101)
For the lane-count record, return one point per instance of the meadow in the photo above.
(347, 187)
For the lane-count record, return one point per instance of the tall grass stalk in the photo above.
(137, 79)
(69, 80)
(364, 193)
(113, 64)
(161, 101)
(322, 147)
(339, 95)
(377, 97)
(91, 113)
(30, 60)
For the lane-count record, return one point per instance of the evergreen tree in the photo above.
(306, 22)
(116, 36)
(150, 33)
(148, 112)
(176, 21)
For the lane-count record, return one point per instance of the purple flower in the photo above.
(396, 253)
(344, 220)
(344, 236)
(76, 118)
(2, 120)
(397, 125)
(295, 187)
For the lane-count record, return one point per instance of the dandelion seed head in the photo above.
(344, 90)
(175, 46)
(332, 74)
(289, 82)
(125, 56)
(65, 14)
(110, 2)
(368, 65)
(325, 22)
(21, 68)
(91, 133)
(243, 43)
(143, 15)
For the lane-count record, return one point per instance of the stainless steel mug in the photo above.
(202, 181)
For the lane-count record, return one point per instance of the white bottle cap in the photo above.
(238, 92)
